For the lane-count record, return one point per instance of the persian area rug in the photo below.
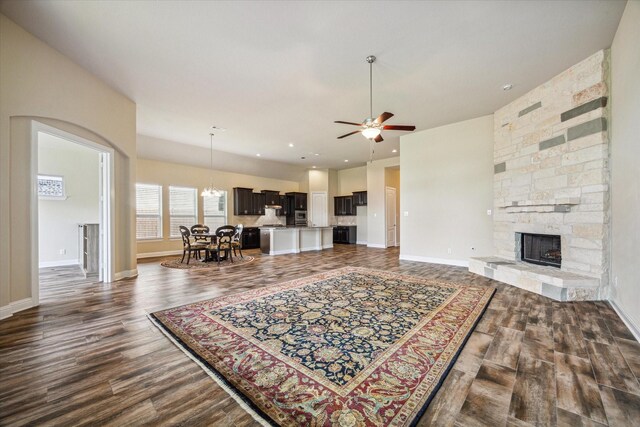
(350, 347)
(195, 264)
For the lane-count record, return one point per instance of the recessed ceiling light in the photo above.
(290, 145)
(258, 154)
(507, 86)
(314, 167)
(346, 161)
(394, 151)
(218, 128)
(316, 154)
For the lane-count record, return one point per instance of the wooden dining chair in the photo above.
(188, 246)
(224, 237)
(199, 229)
(236, 242)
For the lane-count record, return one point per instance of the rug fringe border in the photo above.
(234, 394)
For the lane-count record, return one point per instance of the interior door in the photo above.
(319, 208)
(390, 217)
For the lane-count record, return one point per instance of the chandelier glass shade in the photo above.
(371, 132)
(211, 190)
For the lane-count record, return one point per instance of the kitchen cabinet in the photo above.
(271, 197)
(299, 201)
(284, 202)
(359, 198)
(345, 234)
(343, 206)
(243, 201)
(250, 238)
(259, 201)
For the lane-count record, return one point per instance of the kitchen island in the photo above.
(293, 240)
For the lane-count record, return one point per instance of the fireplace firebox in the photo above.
(542, 249)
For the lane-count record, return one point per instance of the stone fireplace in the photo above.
(551, 178)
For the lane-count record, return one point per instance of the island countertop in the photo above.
(292, 240)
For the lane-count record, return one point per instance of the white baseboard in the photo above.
(158, 254)
(635, 329)
(285, 251)
(61, 263)
(376, 245)
(126, 274)
(361, 242)
(14, 307)
(454, 262)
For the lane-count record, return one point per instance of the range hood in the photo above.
(272, 207)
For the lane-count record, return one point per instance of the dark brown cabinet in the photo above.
(359, 198)
(259, 201)
(343, 206)
(284, 202)
(344, 234)
(242, 201)
(271, 197)
(250, 238)
(299, 201)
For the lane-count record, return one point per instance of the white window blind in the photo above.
(148, 211)
(183, 209)
(215, 210)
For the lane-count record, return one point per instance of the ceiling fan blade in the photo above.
(348, 134)
(383, 117)
(378, 138)
(348, 123)
(399, 127)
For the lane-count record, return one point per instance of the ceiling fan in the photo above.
(372, 128)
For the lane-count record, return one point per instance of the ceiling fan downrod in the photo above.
(371, 59)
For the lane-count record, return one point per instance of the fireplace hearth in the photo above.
(541, 249)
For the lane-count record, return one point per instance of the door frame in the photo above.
(106, 200)
(395, 225)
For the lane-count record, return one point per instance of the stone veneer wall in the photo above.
(551, 164)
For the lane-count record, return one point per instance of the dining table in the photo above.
(210, 255)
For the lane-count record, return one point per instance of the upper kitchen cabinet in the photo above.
(343, 206)
(271, 197)
(243, 201)
(259, 201)
(299, 201)
(359, 198)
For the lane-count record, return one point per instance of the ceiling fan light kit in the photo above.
(372, 129)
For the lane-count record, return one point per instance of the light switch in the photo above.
(488, 211)
(406, 213)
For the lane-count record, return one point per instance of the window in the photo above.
(51, 187)
(148, 211)
(215, 210)
(183, 209)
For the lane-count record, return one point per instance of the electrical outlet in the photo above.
(448, 250)
(488, 211)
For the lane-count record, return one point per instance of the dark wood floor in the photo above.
(89, 355)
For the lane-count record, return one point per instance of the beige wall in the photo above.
(375, 201)
(350, 180)
(392, 179)
(625, 161)
(38, 81)
(166, 174)
(447, 187)
(58, 219)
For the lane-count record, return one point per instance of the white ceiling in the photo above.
(274, 73)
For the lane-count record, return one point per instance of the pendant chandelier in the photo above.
(211, 190)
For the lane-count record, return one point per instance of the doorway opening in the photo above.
(72, 206)
(392, 206)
